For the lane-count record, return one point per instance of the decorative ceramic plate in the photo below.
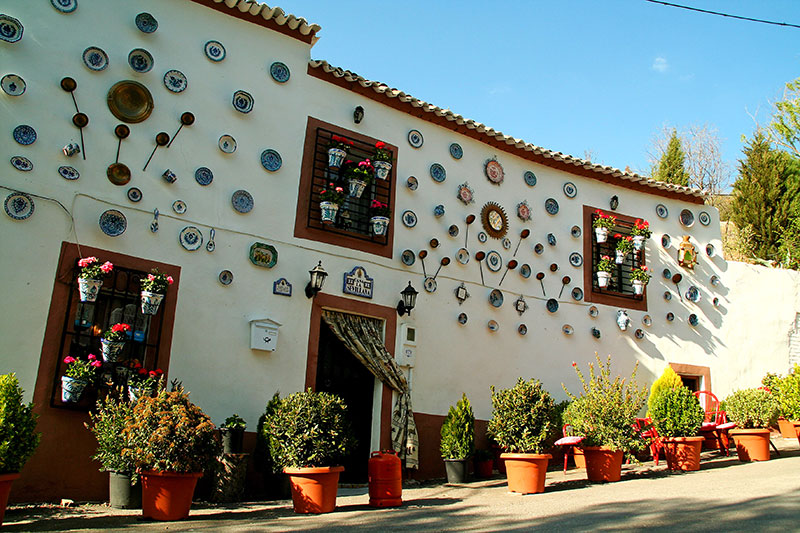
(146, 23)
(662, 211)
(429, 284)
(434, 243)
(140, 60)
(13, 85)
(214, 51)
(687, 218)
(666, 273)
(577, 294)
(670, 317)
(191, 238)
(551, 239)
(639, 334)
(493, 325)
(667, 296)
(242, 101)
(551, 206)
(530, 178)
(438, 172)
(415, 139)
(242, 201)
(593, 311)
(10, 29)
(525, 271)
(279, 72)
(567, 329)
(68, 173)
(438, 211)
(496, 298)
(704, 218)
(570, 190)
(693, 320)
(226, 277)
(462, 256)
(412, 183)
(21, 163)
(462, 318)
(693, 294)
(575, 259)
(553, 267)
(482, 237)
(710, 250)
(456, 151)
(494, 261)
(552, 305)
(494, 171)
(24, 135)
(134, 194)
(714, 280)
(506, 243)
(409, 218)
(263, 255)
(465, 194)
(522, 329)
(408, 257)
(452, 230)
(715, 302)
(203, 176)
(19, 205)
(227, 144)
(666, 240)
(95, 58)
(575, 232)
(179, 206)
(113, 223)
(596, 333)
(271, 160)
(647, 320)
(539, 248)
(65, 6)
(175, 81)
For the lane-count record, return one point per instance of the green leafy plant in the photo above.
(604, 221)
(676, 412)
(641, 274)
(117, 332)
(752, 408)
(235, 422)
(606, 264)
(608, 408)
(669, 380)
(482, 454)
(641, 228)
(142, 379)
(18, 437)
(787, 391)
(82, 370)
(379, 209)
(156, 282)
(382, 153)
(624, 243)
(340, 142)
(92, 268)
(261, 456)
(573, 413)
(458, 431)
(108, 423)
(332, 194)
(308, 429)
(522, 417)
(362, 171)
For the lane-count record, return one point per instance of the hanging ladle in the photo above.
(444, 262)
(511, 265)
(422, 255)
(522, 235)
(69, 85)
(162, 139)
(479, 257)
(81, 120)
(677, 279)
(469, 220)
(540, 277)
(119, 173)
(187, 119)
(564, 282)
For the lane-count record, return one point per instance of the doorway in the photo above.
(340, 373)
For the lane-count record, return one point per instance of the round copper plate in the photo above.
(118, 173)
(130, 101)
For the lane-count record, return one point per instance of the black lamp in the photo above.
(614, 203)
(318, 276)
(408, 302)
(358, 114)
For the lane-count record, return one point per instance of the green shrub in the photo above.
(458, 431)
(669, 380)
(18, 437)
(308, 429)
(235, 422)
(752, 408)
(676, 413)
(787, 391)
(522, 418)
(574, 413)
(108, 424)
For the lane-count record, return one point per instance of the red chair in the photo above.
(648, 431)
(568, 441)
(715, 425)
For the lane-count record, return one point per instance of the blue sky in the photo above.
(573, 75)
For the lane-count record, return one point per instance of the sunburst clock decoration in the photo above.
(494, 220)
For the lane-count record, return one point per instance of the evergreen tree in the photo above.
(671, 168)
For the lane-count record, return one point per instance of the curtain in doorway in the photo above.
(363, 336)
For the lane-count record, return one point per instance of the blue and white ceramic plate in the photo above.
(494, 261)
(146, 23)
(496, 298)
(190, 238)
(647, 320)
(24, 135)
(134, 194)
(667, 296)
(577, 294)
(666, 273)
(594, 311)
(596, 333)
(113, 223)
(175, 81)
(462, 318)
(452, 230)
(575, 259)
(412, 183)
(538, 248)
(10, 29)
(409, 218)
(429, 284)
(552, 305)
(95, 58)
(575, 231)
(522, 329)
(438, 211)
(179, 206)
(670, 317)
(551, 206)
(482, 237)
(65, 6)
(226, 277)
(279, 72)
(140, 60)
(530, 178)
(13, 85)
(551, 239)
(693, 294)
(693, 320)
(214, 51)
(415, 139)
(243, 101)
(570, 190)
(710, 250)
(715, 302)
(242, 201)
(438, 172)
(687, 218)
(456, 151)
(525, 271)
(408, 257)
(506, 243)
(203, 176)
(19, 205)
(271, 160)
(567, 329)
(665, 241)
(493, 325)
(21, 163)
(69, 173)
(639, 334)
(462, 256)
(227, 144)
(662, 211)
(704, 218)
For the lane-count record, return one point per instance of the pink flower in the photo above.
(106, 267)
(339, 189)
(150, 277)
(170, 280)
(86, 261)
(96, 364)
(69, 359)
(91, 357)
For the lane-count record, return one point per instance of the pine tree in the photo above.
(671, 168)
(765, 195)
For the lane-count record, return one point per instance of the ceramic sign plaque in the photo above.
(282, 287)
(358, 283)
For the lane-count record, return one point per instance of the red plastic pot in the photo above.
(314, 489)
(526, 471)
(5, 488)
(683, 453)
(167, 495)
(603, 463)
(483, 469)
(751, 444)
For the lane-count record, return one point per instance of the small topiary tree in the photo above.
(522, 418)
(676, 413)
(18, 437)
(752, 408)
(669, 380)
(458, 431)
(108, 425)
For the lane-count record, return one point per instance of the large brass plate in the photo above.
(130, 101)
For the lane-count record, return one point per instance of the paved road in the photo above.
(724, 495)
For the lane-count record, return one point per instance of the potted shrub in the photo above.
(170, 442)
(602, 225)
(359, 177)
(337, 151)
(677, 416)
(608, 412)
(232, 434)
(107, 424)
(669, 380)
(18, 437)
(640, 277)
(521, 424)
(458, 440)
(753, 411)
(308, 434)
(640, 232)
(483, 461)
(330, 200)
(604, 268)
(382, 160)
(142, 382)
(154, 287)
(90, 278)
(113, 341)
(379, 213)
(276, 485)
(787, 392)
(624, 247)
(78, 375)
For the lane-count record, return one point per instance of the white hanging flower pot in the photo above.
(357, 188)
(150, 302)
(382, 169)
(111, 350)
(620, 258)
(380, 225)
(72, 389)
(328, 210)
(638, 242)
(335, 158)
(638, 286)
(89, 289)
(603, 278)
(601, 234)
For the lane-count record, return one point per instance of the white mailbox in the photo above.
(264, 334)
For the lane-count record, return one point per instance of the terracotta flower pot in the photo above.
(683, 453)
(526, 471)
(314, 489)
(579, 458)
(796, 427)
(603, 463)
(167, 495)
(787, 428)
(751, 444)
(5, 487)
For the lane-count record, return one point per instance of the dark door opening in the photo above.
(691, 382)
(340, 373)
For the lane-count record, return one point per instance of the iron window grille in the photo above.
(620, 282)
